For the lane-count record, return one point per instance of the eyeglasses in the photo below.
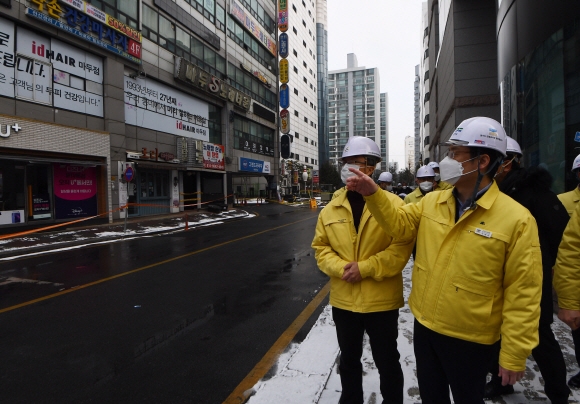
(452, 153)
(358, 163)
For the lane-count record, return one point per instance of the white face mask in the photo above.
(437, 177)
(426, 186)
(345, 173)
(389, 188)
(452, 170)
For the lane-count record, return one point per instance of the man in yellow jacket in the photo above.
(478, 268)
(425, 180)
(364, 265)
(567, 273)
(570, 199)
(441, 185)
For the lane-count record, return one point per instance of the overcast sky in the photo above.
(384, 34)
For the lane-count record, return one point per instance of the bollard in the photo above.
(126, 214)
(186, 222)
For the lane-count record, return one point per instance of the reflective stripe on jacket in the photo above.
(567, 268)
(477, 278)
(380, 259)
(570, 199)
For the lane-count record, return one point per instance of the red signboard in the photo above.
(213, 156)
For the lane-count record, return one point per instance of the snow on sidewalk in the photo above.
(308, 372)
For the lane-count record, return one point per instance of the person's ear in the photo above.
(484, 161)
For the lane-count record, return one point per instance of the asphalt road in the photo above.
(179, 318)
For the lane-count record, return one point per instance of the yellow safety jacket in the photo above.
(570, 199)
(442, 186)
(477, 278)
(380, 258)
(567, 268)
(414, 196)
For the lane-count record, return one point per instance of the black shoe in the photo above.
(493, 389)
(574, 381)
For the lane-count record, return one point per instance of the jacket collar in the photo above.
(486, 200)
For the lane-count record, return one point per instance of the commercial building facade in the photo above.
(303, 78)
(539, 76)
(160, 104)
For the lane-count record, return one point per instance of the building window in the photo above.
(252, 137)
(296, 91)
(295, 30)
(297, 135)
(306, 81)
(123, 10)
(294, 8)
(303, 23)
(295, 69)
(305, 100)
(294, 52)
(306, 159)
(304, 43)
(305, 119)
(306, 139)
(304, 63)
(295, 113)
(304, 4)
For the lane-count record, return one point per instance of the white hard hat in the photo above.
(386, 177)
(433, 164)
(425, 171)
(361, 146)
(513, 147)
(480, 132)
(576, 163)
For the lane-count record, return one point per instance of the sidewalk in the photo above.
(85, 233)
(307, 372)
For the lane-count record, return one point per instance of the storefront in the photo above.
(51, 173)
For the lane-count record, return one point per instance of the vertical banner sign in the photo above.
(75, 191)
(285, 121)
(284, 96)
(283, 45)
(213, 156)
(283, 15)
(284, 73)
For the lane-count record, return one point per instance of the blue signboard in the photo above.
(283, 45)
(254, 166)
(577, 137)
(284, 96)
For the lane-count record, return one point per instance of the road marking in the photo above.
(86, 285)
(242, 392)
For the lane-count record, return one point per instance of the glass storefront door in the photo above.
(12, 192)
(39, 191)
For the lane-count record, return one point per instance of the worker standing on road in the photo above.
(386, 181)
(364, 265)
(478, 270)
(425, 180)
(441, 185)
(531, 188)
(570, 201)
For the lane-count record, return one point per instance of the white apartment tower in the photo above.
(384, 142)
(417, 116)
(410, 153)
(353, 106)
(303, 82)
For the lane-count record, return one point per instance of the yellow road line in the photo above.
(242, 393)
(86, 285)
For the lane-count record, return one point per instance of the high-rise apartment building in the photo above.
(417, 116)
(353, 106)
(384, 139)
(409, 153)
(303, 89)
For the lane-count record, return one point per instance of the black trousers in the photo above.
(576, 339)
(550, 360)
(382, 329)
(444, 362)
